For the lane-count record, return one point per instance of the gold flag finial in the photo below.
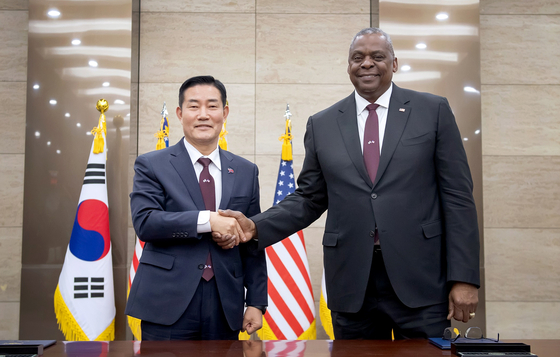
(287, 137)
(101, 128)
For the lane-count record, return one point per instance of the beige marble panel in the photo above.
(11, 190)
(520, 120)
(240, 125)
(9, 320)
(198, 6)
(268, 175)
(10, 270)
(14, 4)
(298, 48)
(13, 54)
(523, 320)
(506, 39)
(522, 264)
(12, 117)
(521, 191)
(176, 46)
(315, 6)
(304, 100)
(524, 7)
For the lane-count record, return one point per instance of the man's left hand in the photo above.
(252, 320)
(463, 300)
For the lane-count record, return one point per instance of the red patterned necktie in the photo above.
(371, 142)
(207, 187)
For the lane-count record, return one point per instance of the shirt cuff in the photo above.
(203, 223)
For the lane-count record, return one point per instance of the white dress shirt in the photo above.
(362, 103)
(215, 168)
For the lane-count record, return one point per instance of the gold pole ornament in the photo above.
(287, 137)
(101, 129)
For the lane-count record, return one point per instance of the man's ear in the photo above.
(179, 113)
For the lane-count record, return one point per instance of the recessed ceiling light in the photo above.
(477, 131)
(93, 63)
(405, 68)
(118, 101)
(465, 139)
(53, 13)
(470, 89)
(421, 46)
(36, 86)
(58, 151)
(128, 115)
(48, 143)
(78, 125)
(53, 101)
(106, 84)
(76, 42)
(67, 115)
(37, 134)
(442, 16)
(88, 132)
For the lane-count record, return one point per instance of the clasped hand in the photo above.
(229, 228)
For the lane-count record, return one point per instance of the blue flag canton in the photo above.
(165, 128)
(286, 183)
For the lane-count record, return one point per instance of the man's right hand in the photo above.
(248, 226)
(225, 230)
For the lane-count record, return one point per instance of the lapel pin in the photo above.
(229, 170)
(401, 110)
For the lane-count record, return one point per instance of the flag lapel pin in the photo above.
(401, 110)
(229, 170)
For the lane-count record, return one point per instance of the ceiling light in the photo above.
(477, 131)
(405, 68)
(78, 125)
(465, 139)
(421, 46)
(58, 151)
(106, 84)
(118, 101)
(53, 101)
(53, 13)
(88, 132)
(442, 16)
(93, 63)
(469, 89)
(36, 86)
(76, 42)
(48, 143)
(67, 115)
(37, 134)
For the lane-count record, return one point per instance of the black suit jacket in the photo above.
(421, 202)
(165, 203)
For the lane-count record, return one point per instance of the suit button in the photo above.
(372, 233)
(173, 235)
(200, 266)
(374, 195)
(186, 235)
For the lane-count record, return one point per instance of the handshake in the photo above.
(229, 228)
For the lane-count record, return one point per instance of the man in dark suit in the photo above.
(186, 287)
(401, 244)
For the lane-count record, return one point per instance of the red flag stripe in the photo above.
(274, 327)
(290, 283)
(300, 234)
(299, 262)
(286, 312)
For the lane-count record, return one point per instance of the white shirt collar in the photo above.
(383, 100)
(195, 154)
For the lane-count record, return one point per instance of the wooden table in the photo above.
(319, 348)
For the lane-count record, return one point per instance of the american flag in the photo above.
(291, 307)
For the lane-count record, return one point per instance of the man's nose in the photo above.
(368, 62)
(203, 114)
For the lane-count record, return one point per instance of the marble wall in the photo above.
(520, 76)
(13, 81)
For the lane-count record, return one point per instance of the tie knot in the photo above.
(204, 161)
(371, 107)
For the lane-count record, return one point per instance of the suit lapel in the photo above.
(348, 124)
(181, 161)
(396, 122)
(228, 177)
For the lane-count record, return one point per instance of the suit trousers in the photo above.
(204, 319)
(382, 311)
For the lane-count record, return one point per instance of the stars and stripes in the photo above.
(291, 307)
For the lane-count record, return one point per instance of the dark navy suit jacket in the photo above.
(165, 203)
(421, 202)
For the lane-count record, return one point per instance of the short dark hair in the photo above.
(375, 30)
(202, 80)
